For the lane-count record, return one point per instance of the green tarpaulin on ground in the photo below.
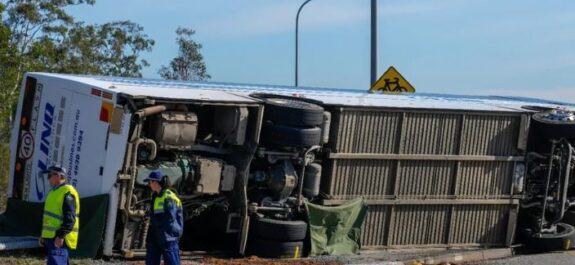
(336, 230)
(25, 219)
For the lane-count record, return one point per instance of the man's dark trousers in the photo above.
(56, 256)
(170, 253)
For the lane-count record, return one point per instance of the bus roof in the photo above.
(231, 92)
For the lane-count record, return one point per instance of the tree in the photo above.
(7, 51)
(31, 24)
(189, 64)
(110, 49)
(38, 35)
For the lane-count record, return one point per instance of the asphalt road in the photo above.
(559, 258)
(373, 258)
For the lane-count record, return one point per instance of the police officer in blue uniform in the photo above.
(166, 222)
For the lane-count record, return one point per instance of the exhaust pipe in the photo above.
(150, 111)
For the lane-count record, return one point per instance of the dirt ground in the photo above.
(251, 261)
(259, 261)
(366, 257)
(37, 258)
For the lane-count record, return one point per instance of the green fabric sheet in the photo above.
(24, 218)
(336, 230)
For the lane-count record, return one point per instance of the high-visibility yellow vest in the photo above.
(159, 201)
(53, 215)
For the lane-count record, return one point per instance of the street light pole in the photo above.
(373, 41)
(296, 40)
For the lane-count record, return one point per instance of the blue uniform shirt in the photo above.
(167, 226)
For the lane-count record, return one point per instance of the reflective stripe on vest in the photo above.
(53, 216)
(159, 201)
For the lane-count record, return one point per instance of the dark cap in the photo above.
(155, 175)
(55, 168)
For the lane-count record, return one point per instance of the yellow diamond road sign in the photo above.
(392, 81)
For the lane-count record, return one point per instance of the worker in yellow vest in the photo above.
(60, 222)
(166, 222)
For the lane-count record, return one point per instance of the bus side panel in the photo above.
(117, 143)
(66, 128)
(86, 135)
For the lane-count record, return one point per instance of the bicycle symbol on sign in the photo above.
(393, 86)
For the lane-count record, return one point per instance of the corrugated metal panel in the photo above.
(425, 178)
(419, 225)
(490, 135)
(431, 133)
(375, 226)
(375, 179)
(357, 132)
(386, 179)
(480, 224)
(372, 179)
(428, 133)
(484, 179)
(448, 225)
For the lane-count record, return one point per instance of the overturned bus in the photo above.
(434, 170)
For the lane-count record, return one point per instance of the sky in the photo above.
(472, 47)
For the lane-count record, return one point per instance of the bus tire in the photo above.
(542, 131)
(569, 217)
(275, 249)
(293, 112)
(562, 240)
(276, 134)
(281, 230)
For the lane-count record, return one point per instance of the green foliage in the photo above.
(9, 60)
(4, 163)
(189, 64)
(39, 35)
(109, 49)
(8, 77)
